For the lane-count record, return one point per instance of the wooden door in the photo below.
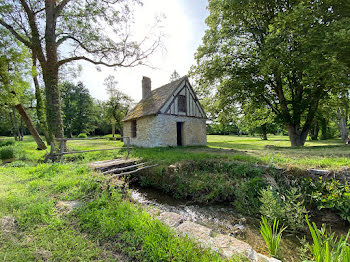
(179, 133)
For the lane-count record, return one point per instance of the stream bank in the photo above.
(226, 197)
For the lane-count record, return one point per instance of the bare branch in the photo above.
(15, 34)
(119, 64)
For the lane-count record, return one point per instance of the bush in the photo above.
(17, 164)
(6, 143)
(7, 152)
(247, 196)
(288, 208)
(82, 135)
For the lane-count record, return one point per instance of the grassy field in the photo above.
(37, 225)
(327, 154)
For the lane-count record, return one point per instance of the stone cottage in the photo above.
(170, 115)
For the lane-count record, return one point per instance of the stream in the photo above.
(222, 218)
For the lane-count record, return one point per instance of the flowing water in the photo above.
(222, 218)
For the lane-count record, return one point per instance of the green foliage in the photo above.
(45, 231)
(77, 108)
(247, 196)
(259, 51)
(271, 234)
(194, 180)
(7, 152)
(330, 194)
(328, 248)
(114, 218)
(288, 208)
(6, 143)
(82, 135)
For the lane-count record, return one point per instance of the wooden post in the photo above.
(62, 146)
(128, 146)
(51, 154)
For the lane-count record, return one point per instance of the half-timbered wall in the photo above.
(193, 107)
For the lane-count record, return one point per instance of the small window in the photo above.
(133, 128)
(182, 103)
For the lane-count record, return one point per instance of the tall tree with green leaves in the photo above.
(286, 54)
(117, 105)
(62, 31)
(77, 107)
(14, 71)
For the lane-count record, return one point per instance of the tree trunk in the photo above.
(342, 125)
(50, 75)
(296, 137)
(113, 130)
(40, 106)
(263, 132)
(15, 124)
(314, 131)
(22, 129)
(31, 127)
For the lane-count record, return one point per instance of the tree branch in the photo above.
(60, 7)
(119, 64)
(15, 34)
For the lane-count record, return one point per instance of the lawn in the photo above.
(325, 154)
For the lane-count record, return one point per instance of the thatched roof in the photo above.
(153, 103)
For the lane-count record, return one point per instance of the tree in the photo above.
(118, 104)
(13, 72)
(77, 107)
(286, 54)
(258, 118)
(174, 76)
(96, 31)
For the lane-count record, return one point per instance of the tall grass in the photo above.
(327, 248)
(272, 235)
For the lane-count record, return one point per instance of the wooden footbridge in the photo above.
(120, 167)
(115, 167)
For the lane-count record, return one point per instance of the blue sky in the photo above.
(184, 26)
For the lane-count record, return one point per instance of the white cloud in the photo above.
(183, 32)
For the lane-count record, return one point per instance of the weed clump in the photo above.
(7, 152)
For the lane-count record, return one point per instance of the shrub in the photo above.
(17, 164)
(272, 235)
(7, 152)
(330, 194)
(82, 135)
(6, 143)
(247, 196)
(288, 208)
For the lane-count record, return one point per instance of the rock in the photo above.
(171, 219)
(197, 232)
(263, 258)
(319, 172)
(229, 246)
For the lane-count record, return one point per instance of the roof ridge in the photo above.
(153, 103)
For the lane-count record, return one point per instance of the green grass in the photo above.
(44, 231)
(327, 154)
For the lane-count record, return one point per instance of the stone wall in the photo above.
(161, 131)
